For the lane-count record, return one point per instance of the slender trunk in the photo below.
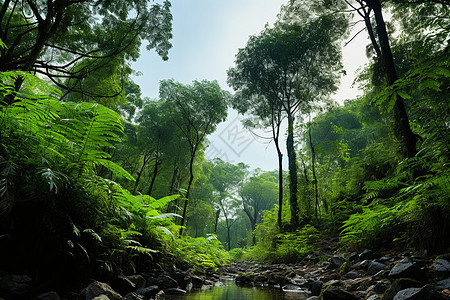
(402, 130)
(276, 123)
(144, 163)
(292, 173)
(228, 226)
(307, 200)
(313, 162)
(216, 221)
(155, 172)
(255, 218)
(280, 182)
(369, 27)
(252, 222)
(191, 179)
(174, 176)
(228, 235)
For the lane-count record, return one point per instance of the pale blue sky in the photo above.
(207, 35)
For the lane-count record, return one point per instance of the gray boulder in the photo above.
(316, 287)
(353, 256)
(367, 255)
(362, 265)
(197, 282)
(99, 288)
(123, 285)
(441, 265)
(442, 285)
(410, 294)
(148, 292)
(163, 282)
(138, 280)
(337, 261)
(375, 267)
(243, 280)
(405, 269)
(352, 275)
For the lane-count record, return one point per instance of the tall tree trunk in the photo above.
(252, 222)
(216, 221)
(306, 189)
(280, 179)
(313, 163)
(155, 172)
(255, 219)
(228, 235)
(292, 173)
(402, 130)
(144, 163)
(191, 179)
(276, 123)
(174, 176)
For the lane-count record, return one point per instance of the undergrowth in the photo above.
(273, 246)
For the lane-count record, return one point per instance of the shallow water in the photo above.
(230, 290)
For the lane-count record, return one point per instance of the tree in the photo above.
(402, 129)
(268, 113)
(104, 83)
(259, 193)
(51, 37)
(371, 11)
(196, 110)
(226, 177)
(291, 65)
(156, 132)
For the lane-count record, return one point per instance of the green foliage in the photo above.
(72, 32)
(405, 213)
(202, 253)
(274, 246)
(237, 253)
(374, 227)
(50, 153)
(39, 129)
(428, 74)
(293, 246)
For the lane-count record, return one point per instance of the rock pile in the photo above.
(366, 275)
(134, 287)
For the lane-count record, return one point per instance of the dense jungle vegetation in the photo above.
(98, 179)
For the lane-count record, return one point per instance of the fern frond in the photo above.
(115, 168)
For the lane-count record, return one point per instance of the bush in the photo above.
(237, 253)
(200, 253)
(274, 246)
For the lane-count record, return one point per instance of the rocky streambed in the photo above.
(365, 275)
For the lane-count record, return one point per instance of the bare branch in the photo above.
(346, 43)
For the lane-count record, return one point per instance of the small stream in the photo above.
(227, 289)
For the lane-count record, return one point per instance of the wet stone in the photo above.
(375, 267)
